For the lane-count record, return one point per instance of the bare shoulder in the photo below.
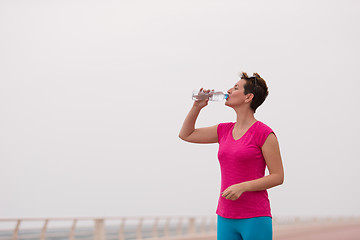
(272, 156)
(270, 142)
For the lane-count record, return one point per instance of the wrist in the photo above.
(245, 186)
(196, 107)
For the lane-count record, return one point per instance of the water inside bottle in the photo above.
(200, 95)
(212, 96)
(217, 97)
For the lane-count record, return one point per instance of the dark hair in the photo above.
(257, 86)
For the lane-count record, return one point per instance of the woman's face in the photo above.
(236, 94)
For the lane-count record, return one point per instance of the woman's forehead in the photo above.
(240, 82)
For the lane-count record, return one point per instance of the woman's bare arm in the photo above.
(188, 132)
(271, 152)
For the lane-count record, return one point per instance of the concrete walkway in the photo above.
(319, 231)
(346, 230)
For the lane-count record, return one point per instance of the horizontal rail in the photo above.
(99, 228)
(92, 218)
(100, 231)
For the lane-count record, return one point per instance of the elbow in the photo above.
(278, 179)
(182, 137)
(281, 182)
(281, 179)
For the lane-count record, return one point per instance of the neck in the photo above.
(244, 117)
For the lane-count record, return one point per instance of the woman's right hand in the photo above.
(202, 103)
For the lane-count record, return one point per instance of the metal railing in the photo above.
(121, 228)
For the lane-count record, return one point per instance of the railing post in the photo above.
(99, 230)
(138, 230)
(121, 231)
(178, 229)
(191, 229)
(72, 231)
(16, 230)
(155, 229)
(43, 231)
(166, 228)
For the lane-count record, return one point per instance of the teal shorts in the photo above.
(257, 228)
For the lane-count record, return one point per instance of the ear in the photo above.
(249, 97)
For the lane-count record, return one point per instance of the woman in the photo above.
(246, 147)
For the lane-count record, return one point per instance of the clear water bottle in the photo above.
(212, 95)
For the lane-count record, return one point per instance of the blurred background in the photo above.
(93, 95)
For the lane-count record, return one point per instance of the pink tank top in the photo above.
(242, 160)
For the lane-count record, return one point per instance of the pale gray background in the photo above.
(93, 95)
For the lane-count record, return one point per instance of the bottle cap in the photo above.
(226, 96)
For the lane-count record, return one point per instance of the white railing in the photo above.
(139, 228)
(121, 228)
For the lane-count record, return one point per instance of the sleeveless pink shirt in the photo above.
(242, 160)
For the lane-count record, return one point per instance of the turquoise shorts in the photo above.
(257, 228)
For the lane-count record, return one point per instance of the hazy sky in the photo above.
(93, 95)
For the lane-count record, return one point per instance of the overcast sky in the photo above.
(93, 95)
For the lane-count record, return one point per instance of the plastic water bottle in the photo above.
(212, 95)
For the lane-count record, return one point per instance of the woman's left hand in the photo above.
(234, 191)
